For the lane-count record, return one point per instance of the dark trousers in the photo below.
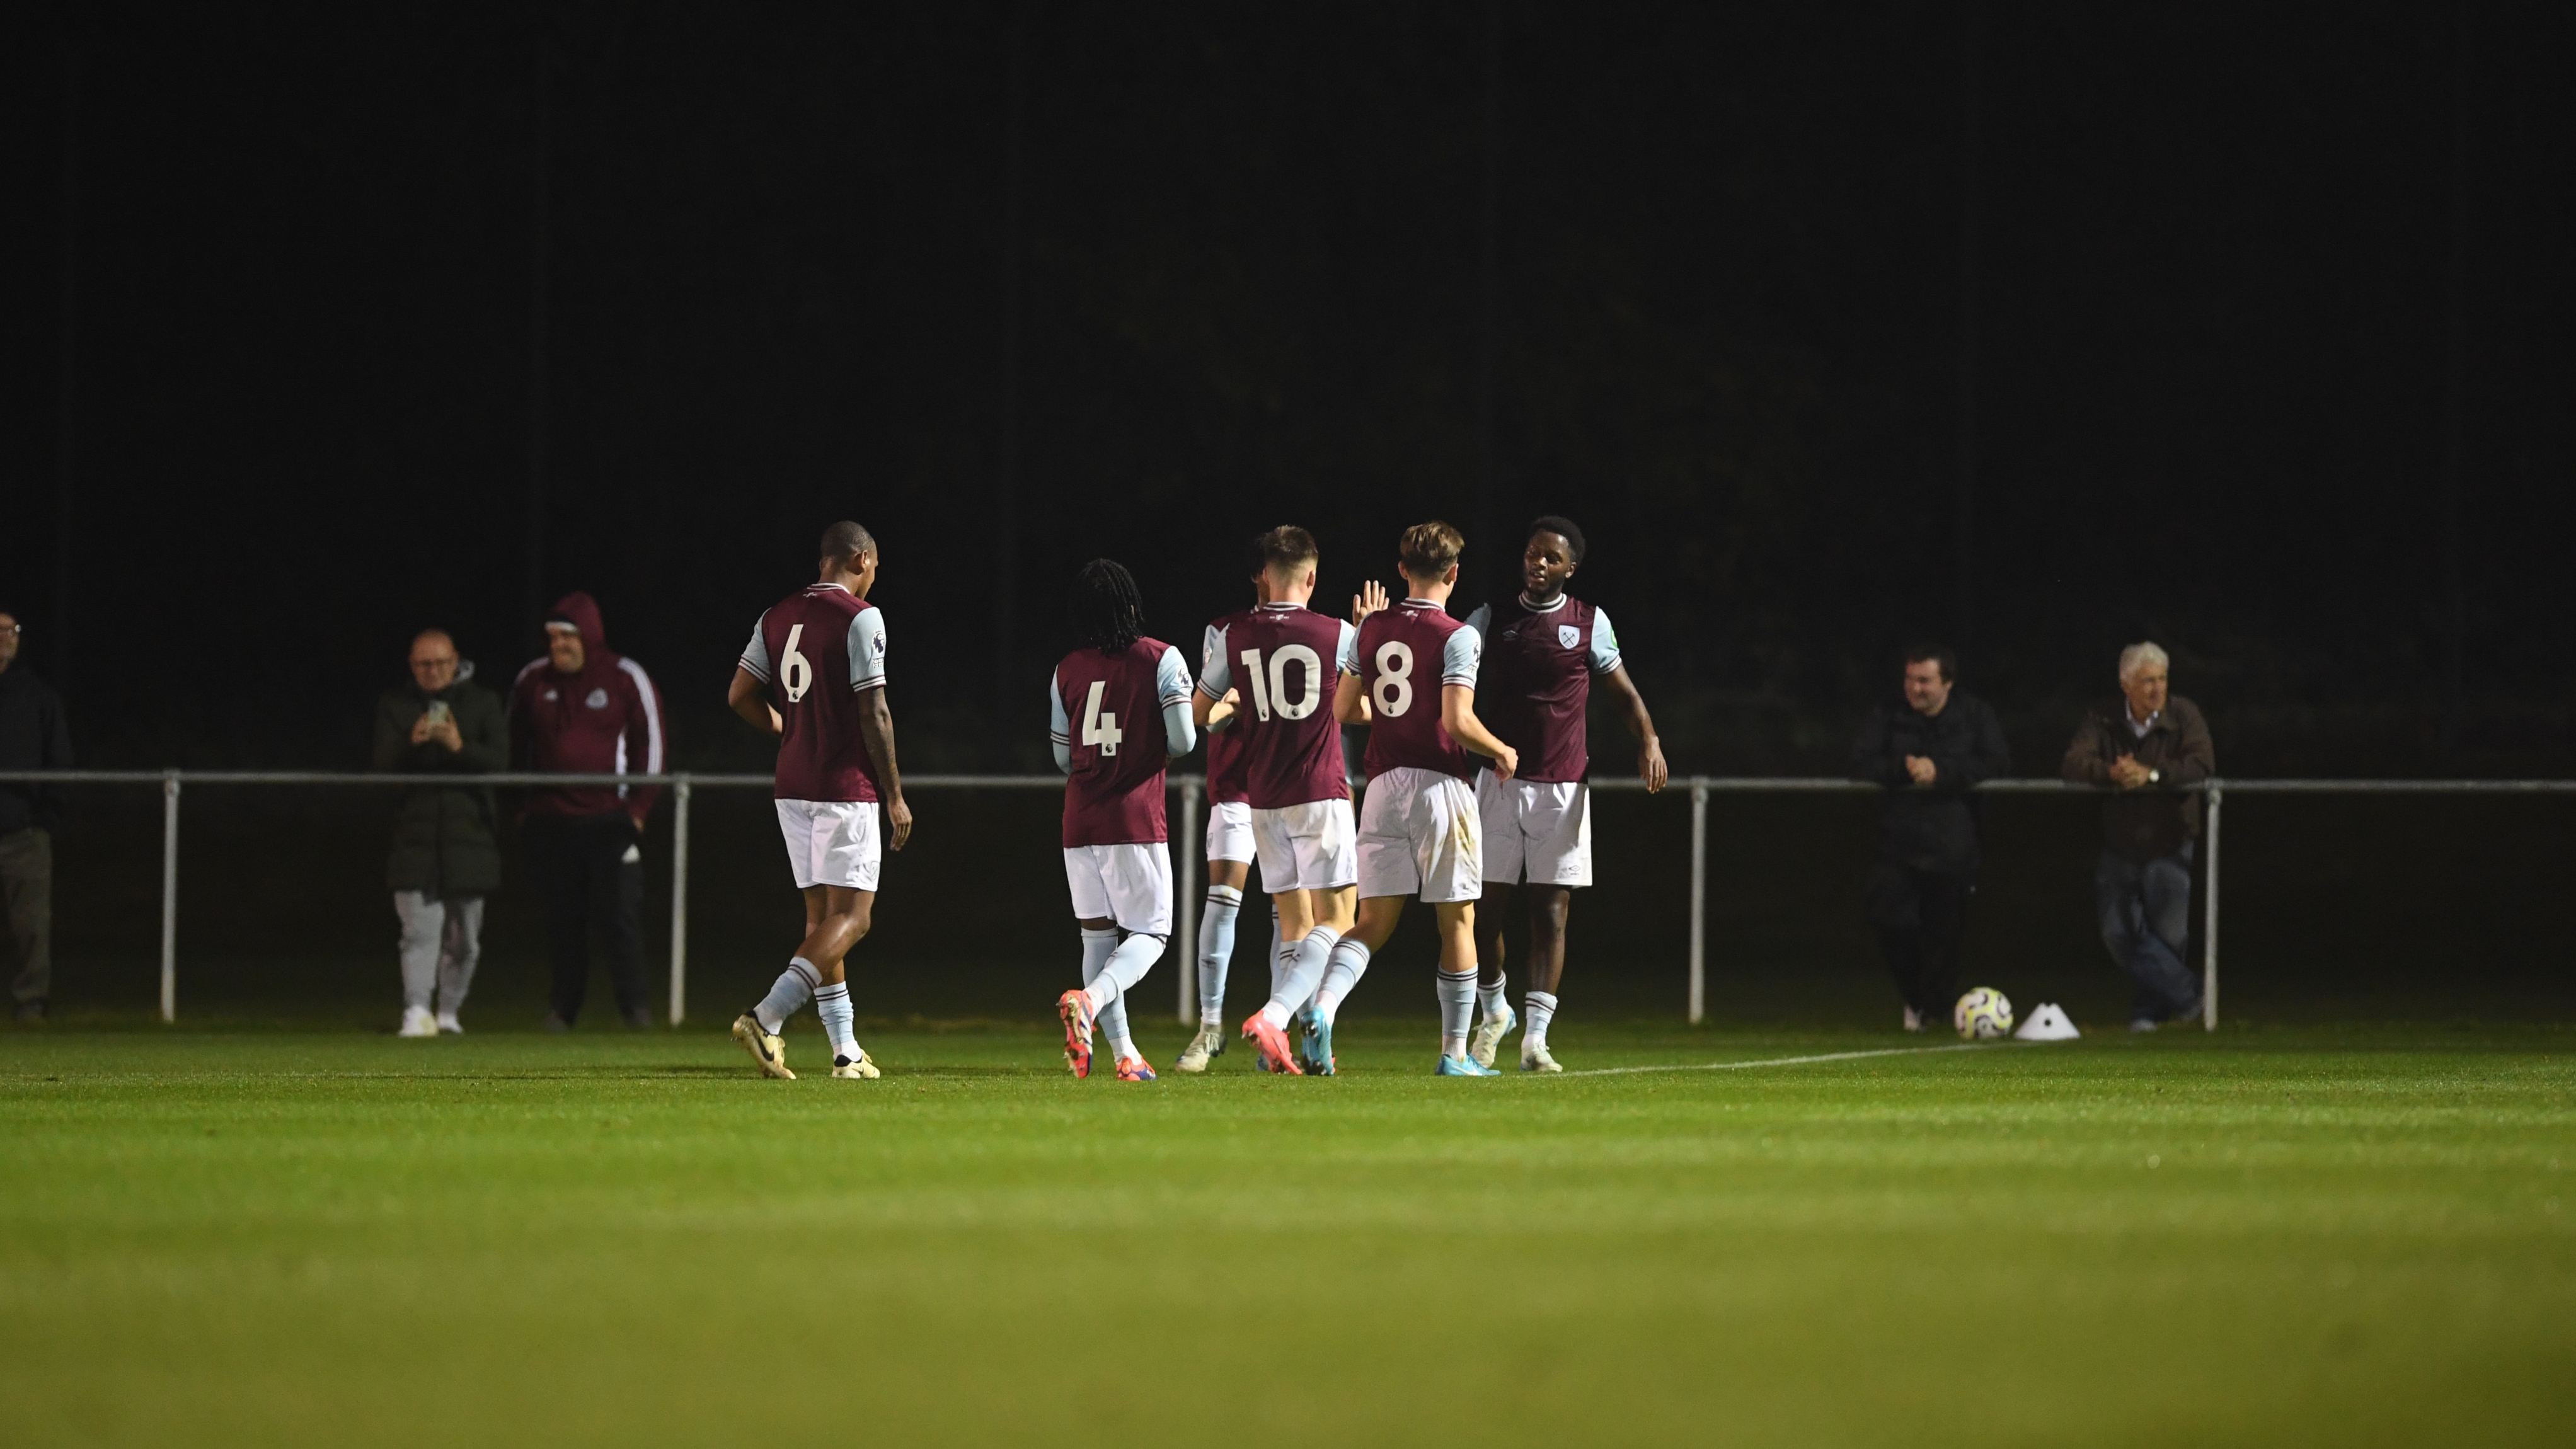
(590, 871)
(2144, 909)
(27, 881)
(1920, 916)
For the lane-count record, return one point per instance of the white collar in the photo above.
(1421, 603)
(820, 584)
(1276, 608)
(1561, 597)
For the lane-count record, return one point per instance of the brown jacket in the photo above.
(2143, 824)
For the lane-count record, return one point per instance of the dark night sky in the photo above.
(2212, 308)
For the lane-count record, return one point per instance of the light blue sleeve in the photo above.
(1349, 652)
(1480, 623)
(1458, 657)
(1172, 687)
(1605, 644)
(1214, 677)
(755, 655)
(867, 650)
(1059, 729)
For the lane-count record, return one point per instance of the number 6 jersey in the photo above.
(1107, 710)
(1283, 661)
(1406, 654)
(819, 650)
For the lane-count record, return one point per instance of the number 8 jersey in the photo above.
(1406, 653)
(1283, 661)
(818, 650)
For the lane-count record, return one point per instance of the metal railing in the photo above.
(1191, 789)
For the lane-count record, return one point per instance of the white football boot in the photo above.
(418, 1022)
(1210, 1042)
(1913, 1020)
(858, 1067)
(448, 1023)
(1536, 1059)
(1490, 1032)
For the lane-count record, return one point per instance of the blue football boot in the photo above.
(1315, 1044)
(1463, 1067)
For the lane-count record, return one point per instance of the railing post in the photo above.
(169, 895)
(2209, 924)
(1699, 899)
(1186, 939)
(679, 900)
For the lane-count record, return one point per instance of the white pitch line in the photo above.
(1965, 1046)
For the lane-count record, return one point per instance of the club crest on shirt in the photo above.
(880, 644)
(1568, 635)
(599, 699)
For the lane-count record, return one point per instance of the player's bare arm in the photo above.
(750, 698)
(1650, 749)
(1458, 717)
(1350, 701)
(876, 728)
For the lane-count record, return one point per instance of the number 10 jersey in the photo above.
(819, 650)
(1283, 661)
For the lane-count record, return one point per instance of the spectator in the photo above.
(2146, 745)
(33, 736)
(583, 710)
(1929, 752)
(445, 856)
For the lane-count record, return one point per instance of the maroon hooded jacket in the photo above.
(606, 720)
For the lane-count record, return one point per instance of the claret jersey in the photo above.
(1107, 710)
(1284, 661)
(1406, 653)
(819, 650)
(1538, 668)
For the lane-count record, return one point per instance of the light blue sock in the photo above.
(1216, 951)
(1342, 971)
(787, 995)
(832, 1003)
(1302, 971)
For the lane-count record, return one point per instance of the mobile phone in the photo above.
(437, 713)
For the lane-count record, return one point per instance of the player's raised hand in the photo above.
(1506, 762)
(1650, 765)
(898, 822)
(1370, 599)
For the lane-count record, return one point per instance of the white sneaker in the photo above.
(1913, 1020)
(1208, 1043)
(858, 1067)
(418, 1022)
(1536, 1059)
(1489, 1036)
(448, 1023)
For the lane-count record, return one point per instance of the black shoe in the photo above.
(639, 1019)
(32, 1010)
(557, 1023)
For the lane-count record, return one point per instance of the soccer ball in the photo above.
(1982, 1015)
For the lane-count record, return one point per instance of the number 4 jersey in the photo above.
(1283, 661)
(1107, 710)
(819, 650)
(1406, 654)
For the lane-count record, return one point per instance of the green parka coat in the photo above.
(445, 840)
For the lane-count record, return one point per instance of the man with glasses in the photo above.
(33, 736)
(446, 853)
(2146, 746)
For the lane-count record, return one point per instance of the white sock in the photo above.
(1489, 999)
(1121, 1046)
(1542, 1008)
(1126, 966)
(1301, 971)
(1342, 971)
(1216, 951)
(1096, 946)
(787, 995)
(832, 1003)
(1457, 1009)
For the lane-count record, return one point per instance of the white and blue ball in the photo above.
(1982, 1015)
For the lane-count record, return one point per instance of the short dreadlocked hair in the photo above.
(1108, 612)
(1562, 527)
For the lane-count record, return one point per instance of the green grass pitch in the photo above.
(2264, 1237)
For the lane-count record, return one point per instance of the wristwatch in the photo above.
(2155, 777)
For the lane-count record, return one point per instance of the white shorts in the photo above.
(1230, 831)
(1419, 833)
(1538, 828)
(1128, 884)
(1309, 847)
(831, 842)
